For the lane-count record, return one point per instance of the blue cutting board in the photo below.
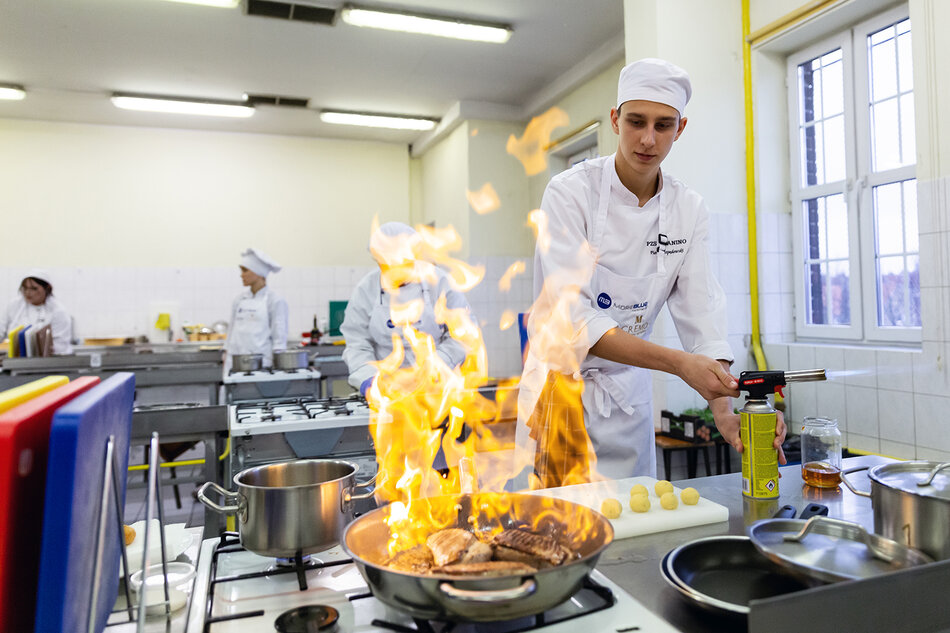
(77, 450)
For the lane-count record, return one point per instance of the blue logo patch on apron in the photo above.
(604, 300)
(389, 323)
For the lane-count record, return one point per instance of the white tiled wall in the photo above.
(106, 302)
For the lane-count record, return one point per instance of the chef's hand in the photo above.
(364, 387)
(728, 424)
(707, 376)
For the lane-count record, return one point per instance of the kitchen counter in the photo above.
(634, 563)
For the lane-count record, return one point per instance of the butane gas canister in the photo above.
(759, 457)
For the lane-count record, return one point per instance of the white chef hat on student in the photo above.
(393, 243)
(39, 273)
(258, 262)
(656, 80)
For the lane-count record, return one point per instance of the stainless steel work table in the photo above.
(634, 563)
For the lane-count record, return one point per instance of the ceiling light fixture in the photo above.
(180, 105)
(12, 92)
(223, 4)
(366, 119)
(426, 24)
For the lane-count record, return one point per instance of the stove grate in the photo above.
(229, 543)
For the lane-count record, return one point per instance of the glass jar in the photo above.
(821, 452)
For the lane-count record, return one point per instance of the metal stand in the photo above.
(152, 498)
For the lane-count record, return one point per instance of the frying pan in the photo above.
(480, 599)
(722, 574)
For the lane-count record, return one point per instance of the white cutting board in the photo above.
(632, 523)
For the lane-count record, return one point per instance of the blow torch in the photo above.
(757, 427)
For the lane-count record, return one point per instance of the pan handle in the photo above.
(523, 590)
(227, 494)
(933, 473)
(844, 478)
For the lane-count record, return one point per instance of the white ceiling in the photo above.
(72, 54)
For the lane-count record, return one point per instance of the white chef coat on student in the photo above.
(368, 329)
(258, 324)
(645, 257)
(51, 312)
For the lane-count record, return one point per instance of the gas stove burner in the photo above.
(306, 561)
(313, 617)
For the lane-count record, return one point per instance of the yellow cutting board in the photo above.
(632, 523)
(14, 336)
(18, 395)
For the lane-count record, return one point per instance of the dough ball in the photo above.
(690, 496)
(640, 503)
(662, 487)
(129, 534)
(639, 489)
(611, 508)
(668, 501)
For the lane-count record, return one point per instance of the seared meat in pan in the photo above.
(417, 560)
(544, 547)
(455, 545)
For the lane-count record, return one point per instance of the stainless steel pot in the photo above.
(911, 503)
(290, 508)
(450, 598)
(291, 359)
(247, 362)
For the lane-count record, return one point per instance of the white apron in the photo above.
(251, 333)
(617, 398)
(382, 328)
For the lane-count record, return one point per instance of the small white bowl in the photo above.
(178, 574)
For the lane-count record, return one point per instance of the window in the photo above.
(854, 189)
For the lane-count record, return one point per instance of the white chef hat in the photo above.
(393, 243)
(654, 80)
(258, 262)
(39, 273)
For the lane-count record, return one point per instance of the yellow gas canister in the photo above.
(759, 458)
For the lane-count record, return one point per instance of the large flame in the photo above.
(425, 407)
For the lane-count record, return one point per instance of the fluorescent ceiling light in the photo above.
(176, 105)
(376, 120)
(224, 4)
(427, 25)
(12, 92)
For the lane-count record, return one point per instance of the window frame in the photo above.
(869, 179)
(799, 193)
(857, 187)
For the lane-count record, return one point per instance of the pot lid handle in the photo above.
(933, 473)
(837, 527)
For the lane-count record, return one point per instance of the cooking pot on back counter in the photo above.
(911, 503)
(291, 359)
(247, 362)
(290, 508)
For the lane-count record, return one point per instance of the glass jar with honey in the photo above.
(821, 452)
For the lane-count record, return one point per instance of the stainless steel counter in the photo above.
(634, 563)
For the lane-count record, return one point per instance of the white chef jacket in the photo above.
(258, 324)
(368, 329)
(642, 258)
(51, 312)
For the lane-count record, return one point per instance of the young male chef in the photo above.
(367, 325)
(647, 235)
(258, 315)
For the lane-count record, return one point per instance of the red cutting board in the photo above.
(24, 443)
